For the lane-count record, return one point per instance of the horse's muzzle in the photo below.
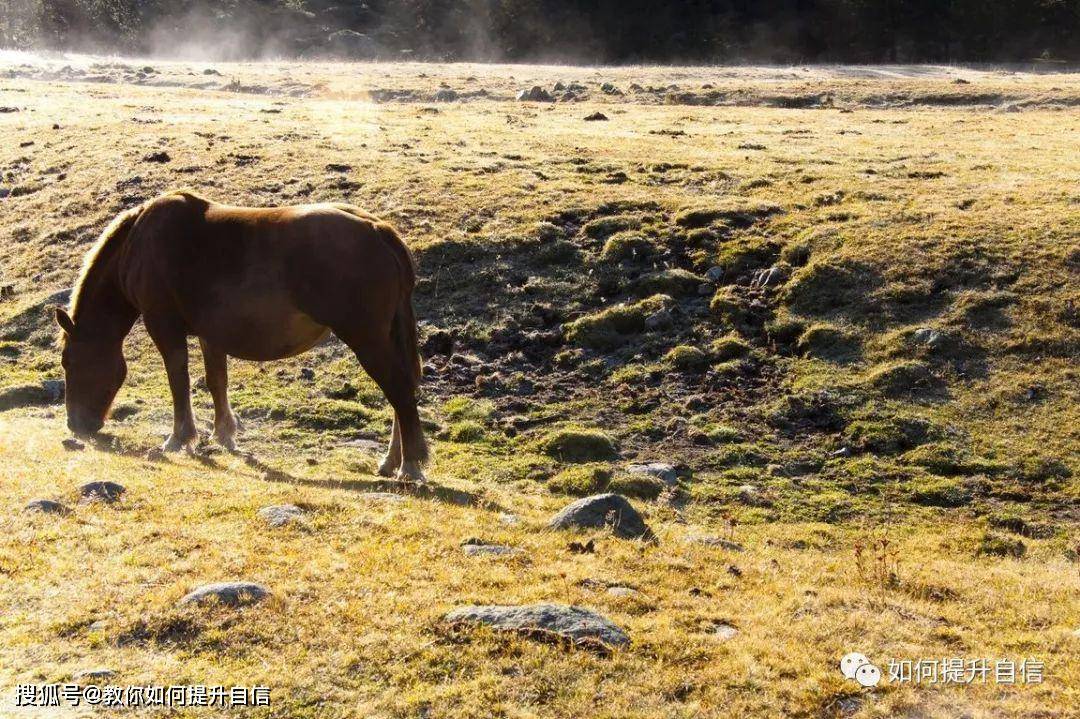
(82, 425)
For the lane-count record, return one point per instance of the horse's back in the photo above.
(267, 281)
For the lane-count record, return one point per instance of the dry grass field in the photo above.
(842, 301)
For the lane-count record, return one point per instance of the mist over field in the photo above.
(750, 383)
(775, 31)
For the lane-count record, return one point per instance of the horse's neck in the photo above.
(101, 307)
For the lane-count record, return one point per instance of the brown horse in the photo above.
(258, 284)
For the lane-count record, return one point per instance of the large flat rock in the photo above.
(233, 594)
(571, 622)
(603, 510)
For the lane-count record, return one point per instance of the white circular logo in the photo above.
(851, 663)
(868, 675)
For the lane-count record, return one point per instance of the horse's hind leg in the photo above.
(217, 381)
(380, 359)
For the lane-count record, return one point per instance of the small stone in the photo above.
(279, 515)
(73, 445)
(233, 594)
(489, 550)
(659, 319)
(603, 510)
(595, 117)
(307, 373)
(107, 492)
(568, 621)
(509, 519)
(367, 445)
(446, 95)
(926, 336)
(382, 497)
(713, 541)
(663, 471)
(535, 94)
(714, 273)
(94, 674)
(45, 506)
(159, 157)
(724, 631)
(625, 592)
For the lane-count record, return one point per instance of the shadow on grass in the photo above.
(413, 489)
(105, 442)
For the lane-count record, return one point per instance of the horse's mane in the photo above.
(104, 246)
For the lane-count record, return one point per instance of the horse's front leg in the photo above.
(173, 347)
(392, 461)
(217, 381)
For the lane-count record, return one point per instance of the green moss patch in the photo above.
(613, 326)
(581, 480)
(578, 445)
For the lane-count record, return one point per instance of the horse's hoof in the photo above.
(175, 444)
(411, 474)
(228, 443)
(387, 468)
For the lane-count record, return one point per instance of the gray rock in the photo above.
(768, 277)
(714, 273)
(233, 594)
(603, 510)
(713, 541)
(278, 515)
(535, 94)
(94, 674)
(659, 319)
(663, 471)
(572, 622)
(45, 506)
(446, 95)
(107, 492)
(382, 497)
(724, 631)
(751, 496)
(624, 592)
(509, 519)
(608, 89)
(366, 445)
(926, 336)
(489, 550)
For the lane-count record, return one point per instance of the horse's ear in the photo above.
(64, 320)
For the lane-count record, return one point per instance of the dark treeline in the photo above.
(617, 31)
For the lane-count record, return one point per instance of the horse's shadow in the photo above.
(448, 495)
(106, 442)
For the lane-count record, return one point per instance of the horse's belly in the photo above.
(264, 334)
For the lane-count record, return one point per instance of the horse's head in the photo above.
(94, 369)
